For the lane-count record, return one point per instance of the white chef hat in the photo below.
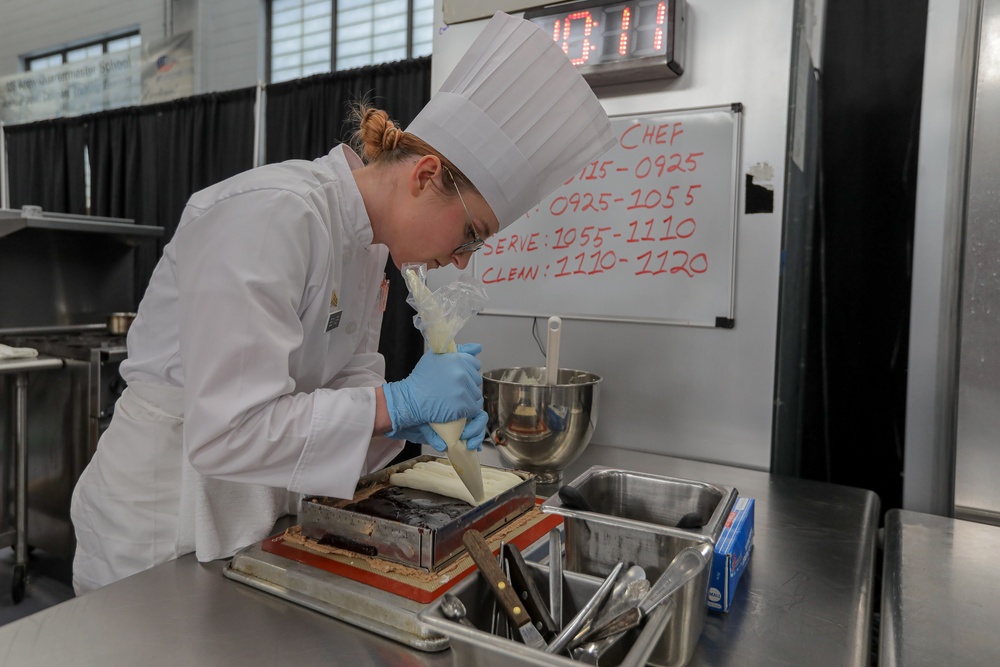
(515, 116)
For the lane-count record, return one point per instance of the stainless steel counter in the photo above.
(804, 600)
(27, 365)
(939, 592)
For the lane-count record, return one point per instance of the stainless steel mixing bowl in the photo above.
(539, 427)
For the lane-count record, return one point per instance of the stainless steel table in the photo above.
(940, 584)
(806, 597)
(804, 600)
(17, 371)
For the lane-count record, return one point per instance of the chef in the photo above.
(253, 373)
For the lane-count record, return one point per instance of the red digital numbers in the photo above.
(661, 15)
(633, 29)
(563, 35)
(624, 26)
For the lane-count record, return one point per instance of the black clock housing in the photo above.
(618, 42)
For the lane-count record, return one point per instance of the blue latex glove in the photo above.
(473, 434)
(441, 388)
(422, 434)
(475, 431)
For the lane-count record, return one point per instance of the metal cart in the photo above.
(16, 372)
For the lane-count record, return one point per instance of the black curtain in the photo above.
(307, 117)
(147, 161)
(45, 163)
(859, 319)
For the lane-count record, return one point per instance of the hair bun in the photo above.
(390, 136)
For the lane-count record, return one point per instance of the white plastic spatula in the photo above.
(552, 351)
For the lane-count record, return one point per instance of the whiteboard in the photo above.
(645, 233)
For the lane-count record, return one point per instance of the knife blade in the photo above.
(527, 590)
(555, 577)
(482, 556)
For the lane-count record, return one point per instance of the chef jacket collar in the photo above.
(343, 160)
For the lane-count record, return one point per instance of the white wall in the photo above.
(228, 34)
(688, 392)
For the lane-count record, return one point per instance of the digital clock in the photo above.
(617, 42)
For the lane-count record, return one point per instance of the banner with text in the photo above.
(104, 82)
(168, 69)
(155, 72)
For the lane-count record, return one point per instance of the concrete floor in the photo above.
(49, 583)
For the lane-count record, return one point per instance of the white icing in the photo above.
(441, 478)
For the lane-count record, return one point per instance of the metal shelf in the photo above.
(14, 220)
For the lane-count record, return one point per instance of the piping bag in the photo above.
(440, 315)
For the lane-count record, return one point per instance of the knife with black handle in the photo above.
(526, 589)
(482, 556)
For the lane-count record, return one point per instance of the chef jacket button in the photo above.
(352, 327)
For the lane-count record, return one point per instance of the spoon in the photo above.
(630, 587)
(688, 563)
(454, 610)
(633, 593)
(591, 652)
(634, 589)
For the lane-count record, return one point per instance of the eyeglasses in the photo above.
(476, 243)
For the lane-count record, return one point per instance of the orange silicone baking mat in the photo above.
(411, 583)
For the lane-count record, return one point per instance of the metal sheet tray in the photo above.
(360, 604)
(419, 547)
(350, 601)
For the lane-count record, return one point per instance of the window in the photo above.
(312, 36)
(77, 52)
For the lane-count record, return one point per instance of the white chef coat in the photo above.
(252, 369)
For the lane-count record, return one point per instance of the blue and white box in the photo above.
(732, 553)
